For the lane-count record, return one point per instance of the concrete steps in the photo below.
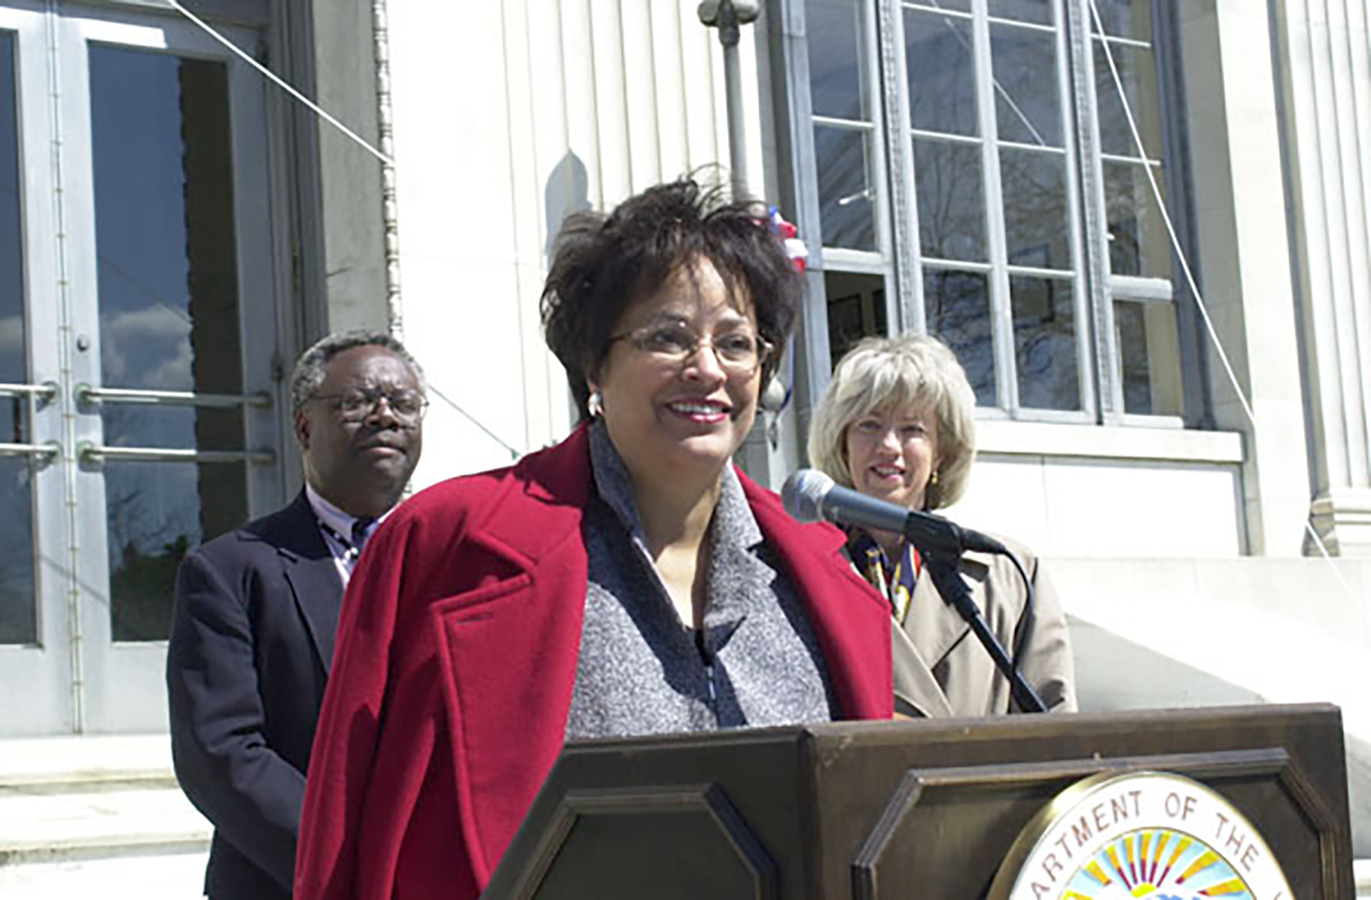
(96, 816)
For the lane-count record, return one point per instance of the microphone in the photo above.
(811, 496)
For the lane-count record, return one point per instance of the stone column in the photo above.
(1240, 220)
(1325, 93)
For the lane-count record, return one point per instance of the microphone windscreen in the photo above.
(803, 495)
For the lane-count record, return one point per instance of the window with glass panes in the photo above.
(978, 178)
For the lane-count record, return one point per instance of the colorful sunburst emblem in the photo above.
(1147, 836)
(1156, 865)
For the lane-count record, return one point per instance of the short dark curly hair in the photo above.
(603, 264)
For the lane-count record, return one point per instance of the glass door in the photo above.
(164, 365)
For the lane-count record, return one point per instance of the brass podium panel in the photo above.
(924, 809)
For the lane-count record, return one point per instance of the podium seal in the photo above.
(1142, 836)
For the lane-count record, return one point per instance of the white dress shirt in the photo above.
(336, 527)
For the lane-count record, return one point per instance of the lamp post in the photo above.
(728, 16)
(761, 450)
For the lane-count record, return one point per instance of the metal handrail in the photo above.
(85, 393)
(89, 452)
(44, 391)
(52, 448)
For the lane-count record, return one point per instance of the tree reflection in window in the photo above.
(958, 312)
(951, 201)
(1008, 163)
(942, 73)
(1037, 218)
(1045, 342)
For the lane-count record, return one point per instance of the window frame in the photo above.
(1099, 359)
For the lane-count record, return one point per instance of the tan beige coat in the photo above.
(941, 669)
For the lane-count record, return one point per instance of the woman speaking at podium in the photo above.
(896, 424)
(628, 581)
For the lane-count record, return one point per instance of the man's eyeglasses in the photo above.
(356, 404)
(738, 352)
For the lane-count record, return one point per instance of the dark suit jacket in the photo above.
(251, 645)
(456, 661)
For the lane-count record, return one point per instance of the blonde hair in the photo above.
(898, 373)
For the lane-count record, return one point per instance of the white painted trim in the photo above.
(998, 437)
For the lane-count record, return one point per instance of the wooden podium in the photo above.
(925, 809)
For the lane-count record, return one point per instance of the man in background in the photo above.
(256, 610)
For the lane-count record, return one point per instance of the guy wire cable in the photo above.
(1190, 278)
(385, 160)
(318, 110)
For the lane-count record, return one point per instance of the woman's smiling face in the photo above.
(892, 453)
(678, 417)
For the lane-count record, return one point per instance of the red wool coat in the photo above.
(456, 657)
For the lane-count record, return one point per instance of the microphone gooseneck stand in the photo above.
(811, 496)
(943, 569)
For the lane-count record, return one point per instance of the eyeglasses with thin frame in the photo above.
(356, 404)
(738, 352)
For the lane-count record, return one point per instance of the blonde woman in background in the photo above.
(896, 424)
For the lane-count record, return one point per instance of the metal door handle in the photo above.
(50, 449)
(44, 392)
(89, 452)
(87, 394)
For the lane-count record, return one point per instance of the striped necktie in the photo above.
(361, 530)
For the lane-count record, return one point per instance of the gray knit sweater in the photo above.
(642, 671)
